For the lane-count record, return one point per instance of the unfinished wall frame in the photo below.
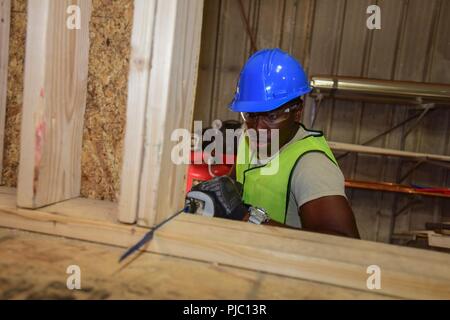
(334, 261)
(164, 63)
(163, 75)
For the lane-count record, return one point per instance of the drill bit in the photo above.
(148, 236)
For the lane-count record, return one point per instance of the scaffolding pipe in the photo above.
(381, 90)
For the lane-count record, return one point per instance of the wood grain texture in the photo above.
(170, 106)
(329, 260)
(5, 22)
(170, 93)
(150, 276)
(54, 103)
(138, 86)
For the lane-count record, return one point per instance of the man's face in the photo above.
(286, 119)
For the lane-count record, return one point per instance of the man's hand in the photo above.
(227, 197)
(331, 215)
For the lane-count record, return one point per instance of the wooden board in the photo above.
(339, 146)
(24, 255)
(138, 82)
(439, 240)
(5, 21)
(54, 103)
(175, 49)
(335, 261)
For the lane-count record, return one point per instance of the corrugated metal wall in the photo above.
(331, 37)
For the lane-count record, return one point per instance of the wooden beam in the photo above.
(5, 22)
(138, 83)
(439, 240)
(334, 261)
(175, 278)
(340, 146)
(55, 86)
(166, 49)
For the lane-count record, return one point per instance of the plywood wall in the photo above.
(103, 136)
(14, 97)
(110, 33)
(330, 37)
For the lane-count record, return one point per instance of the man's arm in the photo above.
(331, 215)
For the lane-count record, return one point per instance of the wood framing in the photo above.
(162, 81)
(5, 21)
(138, 82)
(55, 84)
(330, 260)
(340, 146)
(20, 260)
(165, 53)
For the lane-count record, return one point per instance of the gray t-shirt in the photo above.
(314, 176)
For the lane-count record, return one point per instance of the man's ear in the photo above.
(298, 115)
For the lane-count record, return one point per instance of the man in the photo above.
(308, 189)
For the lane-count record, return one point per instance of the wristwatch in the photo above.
(258, 215)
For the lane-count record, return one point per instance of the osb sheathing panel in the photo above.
(110, 34)
(103, 135)
(14, 97)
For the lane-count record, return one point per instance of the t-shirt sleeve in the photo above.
(315, 176)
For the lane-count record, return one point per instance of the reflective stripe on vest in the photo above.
(268, 186)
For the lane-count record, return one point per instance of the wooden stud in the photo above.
(55, 83)
(5, 21)
(138, 82)
(21, 258)
(151, 182)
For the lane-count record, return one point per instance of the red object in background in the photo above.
(200, 172)
(445, 191)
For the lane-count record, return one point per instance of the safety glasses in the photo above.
(271, 117)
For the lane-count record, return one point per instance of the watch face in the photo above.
(258, 215)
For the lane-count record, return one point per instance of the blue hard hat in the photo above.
(269, 79)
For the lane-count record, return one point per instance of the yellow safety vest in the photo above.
(265, 186)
